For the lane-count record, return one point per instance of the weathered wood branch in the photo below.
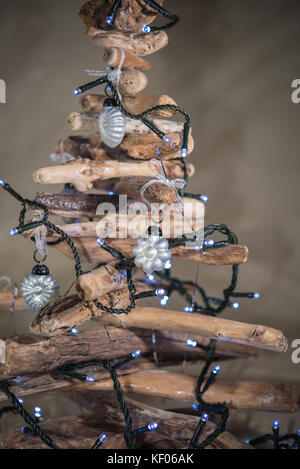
(246, 395)
(212, 327)
(113, 56)
(6, 301)
(130, 16)
(132, 82)
(89, 122)
(176, 426)
(30, 354)
(140, 44)
(84, 172)
(90, 252)
(135, 104)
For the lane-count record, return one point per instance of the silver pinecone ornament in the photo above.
(112, 124)
(39, 288)
(152, 253)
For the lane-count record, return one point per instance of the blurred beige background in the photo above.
(230, 63)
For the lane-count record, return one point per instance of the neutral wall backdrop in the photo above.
(230, 63)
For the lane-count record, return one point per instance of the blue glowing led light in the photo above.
(13, 232)
(216, 369)
(109, 20)
(150, 277)
(198, 248)
(100, 241)
(168, 265)
(159, 292)
(204, 417)
(74, 331)
(21, 400)
(256, 295)
(76, 91)
(235, 305)
(110, 193)
(164, 300)
(209, 242)
(166, 139)
(152, 426)
(146, 29)
(2, 182)
(90, 379)
(184, 152)
(136, 354)
(188, 309)
(276, 424)
(102, 438)
(298, 432)
(195, 406)
(37, 412)
(191, 343)
(204, 198)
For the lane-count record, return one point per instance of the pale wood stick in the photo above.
(31, 354)
(133, 104)
(6, 301)
(130, 16)
(90, 252)
(243, 395)
(140, 45)
(84, 172)
(113, 56)
(132, 82)
(213, 327)
(176, 426)
(89, 122)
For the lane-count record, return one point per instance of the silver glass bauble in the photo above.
(152, 253)
(39, 288)
(112, 126)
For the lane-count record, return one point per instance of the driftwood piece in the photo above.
(113, 56)
(89, 251)
(138, 146)
(142, 44)
(133, 104)
(216, 328)
(176, 426)
(84, 172)
(89, 122)
(130, 16)
(132, 82)
(246, 395)
(6, 301)
(31, 354)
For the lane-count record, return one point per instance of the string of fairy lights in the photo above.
(210, 305)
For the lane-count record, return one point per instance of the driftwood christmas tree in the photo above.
(115, 161)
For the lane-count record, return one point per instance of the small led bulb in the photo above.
(204, 198)
(256, 295)
(109, 20)
(235, 305)
(136, 354)
(13, 232)
(110, 193)
(188, 309)
(160, 292)
(74, 331)
(90, 379)
(298, 432)
(209, 242)
(2, 182)
(204, 417)
(76, 91)
(191, 343)
(216, 369)
(164, 300)
(184, 152)
(195, 406)
(150, 277)
(166, 139)
(168, 265)
(100, 241)
(37, 412)
(152, 426)
(276, 424)
(146, 29)
(21, 400)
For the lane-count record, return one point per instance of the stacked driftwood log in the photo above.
(125, 170)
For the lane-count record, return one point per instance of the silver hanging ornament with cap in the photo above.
(39, 288)
(152, 252)
(112, 124)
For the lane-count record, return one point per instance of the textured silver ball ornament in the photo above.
(39, 288)
(152, 253)
(112, 126)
